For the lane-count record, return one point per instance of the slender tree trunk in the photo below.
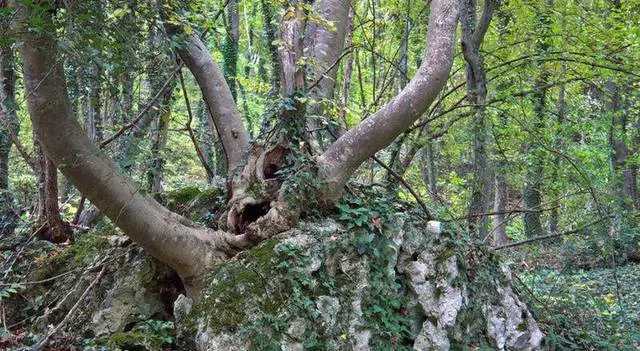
(622, 176)
(224, 115)
(429, 171)
(156, 169)
(207, 139)
(126, 98)
(9, 129)
(93, 116)
(270, 38)
(554, 216)
(57, 229)
(39, 206)
(230, 48)
(472, 38)
(535, 173)
(501, 201)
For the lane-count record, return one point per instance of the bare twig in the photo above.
(160, 92)
(19, 253)
(406, 185)
(74, 308)
(335, 63)
(141, 114)
(189, 130)
(573, 231)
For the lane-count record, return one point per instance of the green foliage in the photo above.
(148, 334)
(587, 309)
(385, 307)
(7, 290)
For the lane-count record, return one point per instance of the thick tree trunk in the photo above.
(162, 233)
(324, 45)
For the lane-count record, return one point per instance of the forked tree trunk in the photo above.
(168, 236)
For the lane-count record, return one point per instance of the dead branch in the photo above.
(573, 231)
(74, 308)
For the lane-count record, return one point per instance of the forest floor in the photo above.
(585, 309)
(594, 308)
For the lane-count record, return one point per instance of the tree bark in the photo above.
(324, 45)
(156, 169)
(345, 155)
(39, 163)
(501, 201)
(92, 113)
(554, 216)
(348, 70)
(429, 171)
(291, 49)
(270, 38)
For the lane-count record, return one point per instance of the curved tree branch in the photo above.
(223, 113)
(165, 235)
(346, 154)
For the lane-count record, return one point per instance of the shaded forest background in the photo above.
(532, 145)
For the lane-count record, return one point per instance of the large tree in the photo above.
(252, 216)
